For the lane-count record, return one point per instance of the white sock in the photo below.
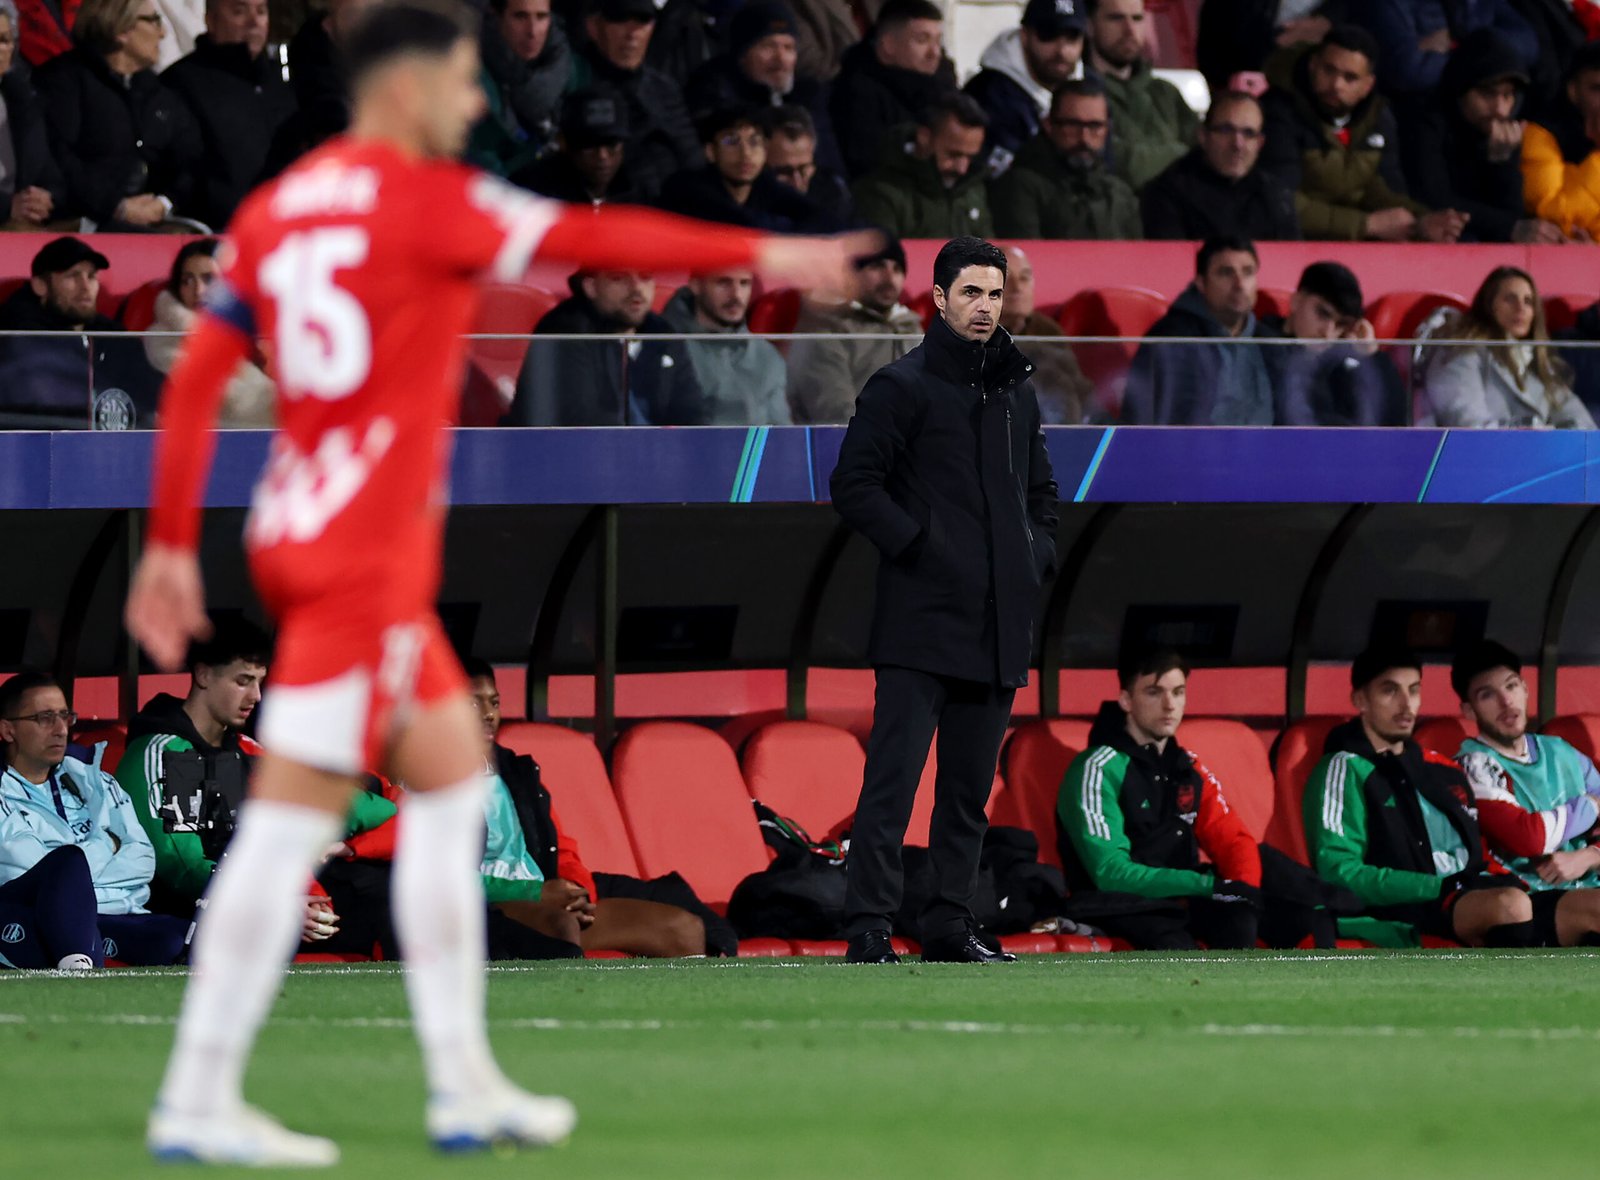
(251, 925)
(439, 918)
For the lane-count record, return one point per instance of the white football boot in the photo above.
(243, 1136)
(504, 1116)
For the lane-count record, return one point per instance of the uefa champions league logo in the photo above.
(113, 410)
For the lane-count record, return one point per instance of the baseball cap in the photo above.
(621, 10)
(1335, 283)
(592, 116)
(1055, 18)
(64, 254)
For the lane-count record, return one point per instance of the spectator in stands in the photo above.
(1562, 27)
(235, 92)
(1151, 123)
(1464, 151)
(1538, 798)
(637, 381)
(128, 147)
(1058, 381)
(1561, 154)
(1584, 362)
(61, 379)
(933, 187)
(590, 164)
(661, 139)
(1222, 384)
(1514, 378)
(826, 374)
(1136, 813)
(1238, 36)
(595, 911)
(226, 675)
(1417, 36)
(1021, 70)
(321, 90)
(743, 379)
(792, 160)
(731, 184)
(30, 182)
(887, 82)
(1333, 142)
(1336, 376)
(824, 31)
(1060, 186)
(1217, 189)
(248, 401)
(51, 800)
(759, 71)
(1395, 824)
(527, 67)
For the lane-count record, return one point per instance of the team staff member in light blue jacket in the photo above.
(49, 800)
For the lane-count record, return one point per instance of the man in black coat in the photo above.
(733, 186)
(590, 163)
(887, 81)
(607, 382)
(237, 94)
(944, 469)
(1217, 190)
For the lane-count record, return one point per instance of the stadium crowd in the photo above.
(1341, 121)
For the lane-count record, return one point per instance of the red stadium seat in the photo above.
(1035, 761)
(775, 311)
(1444, 735)
(687, 807)
(924, 306)
(764, 948)
(1298, 751)
(1110, 311)
(571, 768)
(1561, 311)
(805, 771)
(113, 733)
(138, 310)
(1398, 315)
(664, 294)
(1270, 301)
(922, 809)
(506, 309)
(1581, 730)
(1232, 751)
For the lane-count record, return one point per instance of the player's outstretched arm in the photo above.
(625, 237)
(166, 603)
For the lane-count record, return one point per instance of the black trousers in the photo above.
(971, 722)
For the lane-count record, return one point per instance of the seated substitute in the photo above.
(584, 910)
(1137, 811)
(742, 377)
(346, 909)
(1395, 824)
(50, 800)
(1538, 798)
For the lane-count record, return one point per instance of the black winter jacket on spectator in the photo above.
(1192, 201)
(772, 205)
(1014, 118)
(1239, 35)
(116, 137)
(555, 175)
(1559, 36)
(239, 104)
(872, 103)
(963, 545)
(1585, 362)
(50, 376)
(719, 84)
(529, 91)
(646, 381)
(1331, 384)
(661, 140)
(1221, 384)
(322, 96)
(30, 143)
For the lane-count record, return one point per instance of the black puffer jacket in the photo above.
(116, 137)
(1191, 201)
(239, 103)
(872, 102)
(944, 469)
(36, 166)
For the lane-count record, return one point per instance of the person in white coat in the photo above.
(1513, 379)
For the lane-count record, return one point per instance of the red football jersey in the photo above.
(359, 267)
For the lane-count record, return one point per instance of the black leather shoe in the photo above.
(872, 947)
(962, 948)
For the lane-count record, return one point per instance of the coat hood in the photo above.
(1004, 56)
(164, 714)
(1110, 728)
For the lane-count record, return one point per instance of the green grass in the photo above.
(1180, 1067)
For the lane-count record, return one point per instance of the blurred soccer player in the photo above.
(359, 265)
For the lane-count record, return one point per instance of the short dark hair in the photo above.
(232, 638)
(1221, 244)
(1585, 61)
(728, 117)
(1230, 98)
(20, 685)
(956, 106)
(477, 668)
(202, 247)
(397, 28)
(1484, 656)
(1149, 661)
(1077, 88)
(897, 13)
(959, 253)
(1377, 660)
(791, 120)
(1355, 39)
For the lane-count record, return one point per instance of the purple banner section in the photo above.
(792, 464)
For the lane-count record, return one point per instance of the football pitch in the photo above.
(1434, 1064)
